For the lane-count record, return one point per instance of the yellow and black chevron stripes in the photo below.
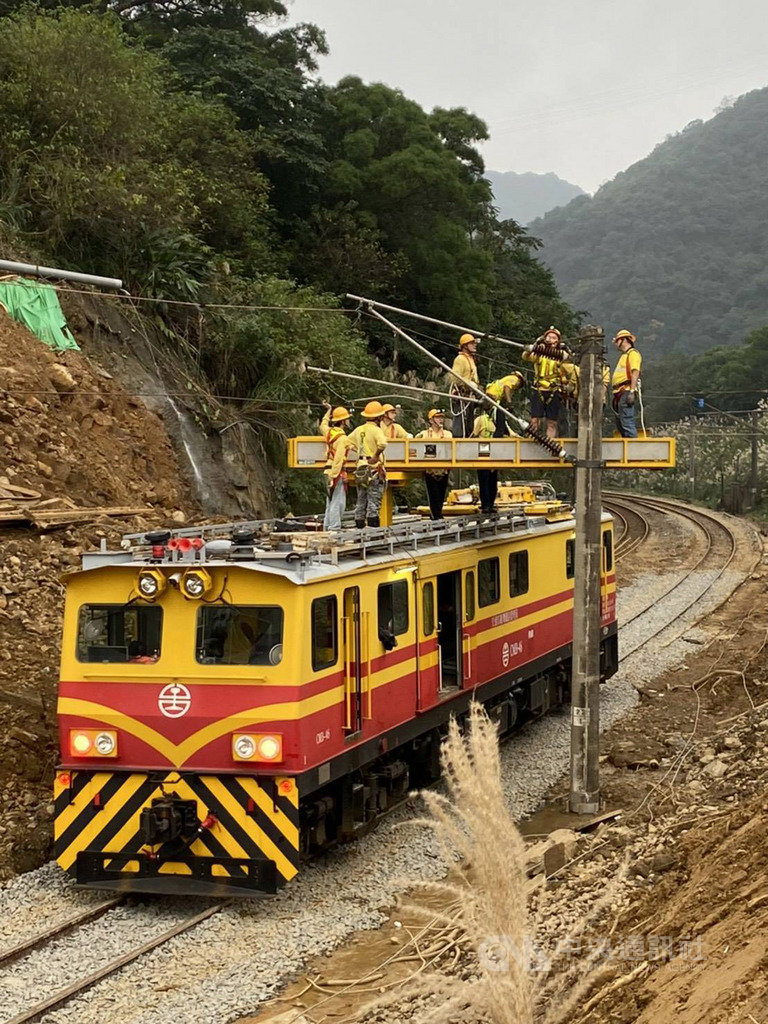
(255, 820)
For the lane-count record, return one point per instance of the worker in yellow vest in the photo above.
(333, 427)
(436, 480)
(570, 380)
(485, 427)
(547, 355)
(501, 391)
(393, 431)
(371, 474)
(464, 373)
(626, 382)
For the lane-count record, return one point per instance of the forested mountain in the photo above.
(676, 246)
(526, 196)
(190, 149)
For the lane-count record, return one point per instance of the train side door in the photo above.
(353, 661)
(467, 638)
(450, 631)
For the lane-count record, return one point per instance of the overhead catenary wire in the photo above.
(372, 304)
(375, 380)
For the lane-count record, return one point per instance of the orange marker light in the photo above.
(270, 748)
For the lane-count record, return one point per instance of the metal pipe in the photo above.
(550, 443)
(63, 275)
(387, 383)
(431, 320)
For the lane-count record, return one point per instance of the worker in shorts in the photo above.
(464, 375)
(371, 474)
(547, 356)
(435, 480)
(333, 428)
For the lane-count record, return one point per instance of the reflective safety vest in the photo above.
(464, 371)
(495, 389)
(628, 361)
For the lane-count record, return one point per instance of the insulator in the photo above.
(549, 443)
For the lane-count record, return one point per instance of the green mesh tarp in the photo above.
(37, 306)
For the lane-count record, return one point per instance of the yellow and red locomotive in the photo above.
(235, 697)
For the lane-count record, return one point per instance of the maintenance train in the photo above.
(234, 698)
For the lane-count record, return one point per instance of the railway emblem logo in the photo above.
(505, 654)
(174, 700)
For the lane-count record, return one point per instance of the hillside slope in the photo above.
(525, 196)
(66, 431)
(675, 246)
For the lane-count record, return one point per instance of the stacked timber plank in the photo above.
(23, 506)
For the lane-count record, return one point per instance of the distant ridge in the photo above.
(675, 247)
(525, 196)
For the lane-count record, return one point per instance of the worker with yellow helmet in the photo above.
(501, 391)
(436, 480)
(626, 382)
(371, 474)
(333, 428)
(464, 374)
(393, 431)
(546, 354)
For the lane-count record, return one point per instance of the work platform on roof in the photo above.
(498, 453)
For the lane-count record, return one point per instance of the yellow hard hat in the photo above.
(466, 339)
(372, 411)
(340, 413)
(387, 408)
(435, 412)
(625, 334)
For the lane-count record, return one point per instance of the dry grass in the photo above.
(507, 982)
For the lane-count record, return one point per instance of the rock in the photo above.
(732, 743)
(663, 861)
(178, 516)
(61, 378)
(716, 769)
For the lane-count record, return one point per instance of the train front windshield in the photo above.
(239, 635)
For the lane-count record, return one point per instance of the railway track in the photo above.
(717, 554)
(635, 518)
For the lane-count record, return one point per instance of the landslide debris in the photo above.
(67, 431)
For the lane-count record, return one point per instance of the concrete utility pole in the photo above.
(692, 460)
(753, 486)
(585, 678)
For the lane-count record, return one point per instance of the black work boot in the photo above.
(373, 521)
(359, 524)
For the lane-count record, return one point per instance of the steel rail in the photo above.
(709, 526)
(67, 925)
(64, 995)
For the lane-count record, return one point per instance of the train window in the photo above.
(488, 585)
(119, 633)
(570, 558)
(469, 597)
(393, 607)
(239, 635)
(608, 550)
(518, 573)
(324, 636)
(428, 608)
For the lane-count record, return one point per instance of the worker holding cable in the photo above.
(435, 480)
(333, 428)
(547, 354)
(371, 474)
(501, 391)
(463, 375)
(626, 382)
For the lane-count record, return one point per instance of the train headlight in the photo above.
(244, 747)
(196, 583)
(93, 742)
(105, 743)
(257, 747)
(151, 584)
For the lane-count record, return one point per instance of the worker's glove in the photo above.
(631, 398)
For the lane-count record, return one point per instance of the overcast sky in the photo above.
(580, 87)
